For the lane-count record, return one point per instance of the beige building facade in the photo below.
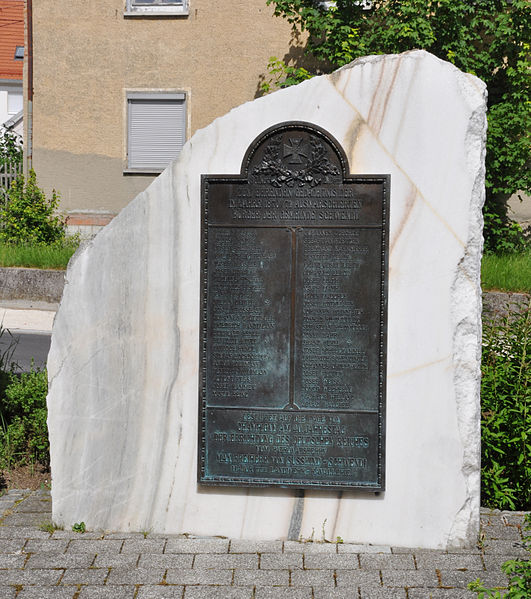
(111, 78)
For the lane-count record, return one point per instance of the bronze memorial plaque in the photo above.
(293, 318)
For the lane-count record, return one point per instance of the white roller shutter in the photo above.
(157, 130)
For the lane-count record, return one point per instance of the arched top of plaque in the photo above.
(295, 154)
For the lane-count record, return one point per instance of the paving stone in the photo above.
(12, 561)
(261, 577)
(412, 550)
(467, 550)
(439, 594)
(409, 578)
(60, 560)
(513, 518)
(25, 519)
(96, 547)
(184, 545)
(332, 562)
(70, 535)
(276, 561)
(47, 593)
(30, 577)
(135, 576)
(46, 546)
(282, 593)
(125, 535)
(119, 560)
(195, 576)
(509, 548)
(506, 533)
(11, 546)
(296, 547)
(104, 592)
(7, 592)
(41, 506)
(85, 576)
(493, 563)
(160, 592)
(448, 561)
(344, 593)
(229, 560)
(313, 578)
(244, 546)
(355, 578)
(457, 578)
(381, 593)
(221, 592)
(168, 560)
(22, 532)
(390, 561)
(143, 546)
(351, 548)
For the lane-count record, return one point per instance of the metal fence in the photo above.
(9, 171)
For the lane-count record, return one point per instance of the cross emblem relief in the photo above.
(295, 151)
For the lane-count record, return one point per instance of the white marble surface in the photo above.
(123, 365)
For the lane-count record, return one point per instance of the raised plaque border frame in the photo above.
(385, 180)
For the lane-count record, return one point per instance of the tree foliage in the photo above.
(489, 38)
(10, 148)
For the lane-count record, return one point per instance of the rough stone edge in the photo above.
(466, 317)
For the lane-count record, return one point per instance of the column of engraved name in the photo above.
(247, 342)
(334, 328)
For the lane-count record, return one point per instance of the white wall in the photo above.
(10, 100)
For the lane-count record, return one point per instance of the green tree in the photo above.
(489, 38)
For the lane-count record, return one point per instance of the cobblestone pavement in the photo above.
(38, 562)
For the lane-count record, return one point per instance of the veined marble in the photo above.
(123, 365)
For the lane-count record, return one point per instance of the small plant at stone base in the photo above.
(49, 527)
(518, 572)
(29, 216)
(79, 527)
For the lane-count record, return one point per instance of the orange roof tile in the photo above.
(11, 36)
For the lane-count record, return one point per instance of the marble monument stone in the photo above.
(124, 364)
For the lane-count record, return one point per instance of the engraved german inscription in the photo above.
(293, 318)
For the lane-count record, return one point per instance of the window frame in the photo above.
(163, 8)
(131, 96)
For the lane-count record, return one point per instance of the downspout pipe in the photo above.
(28, 162)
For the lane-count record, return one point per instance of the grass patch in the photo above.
(38, 255)
(510, 272)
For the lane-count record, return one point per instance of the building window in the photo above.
(156, 129)
(156, 7)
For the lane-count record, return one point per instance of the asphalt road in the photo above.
(27, 347)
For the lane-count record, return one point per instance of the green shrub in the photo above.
(506, 413)
(29, 216)
(23, 431)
